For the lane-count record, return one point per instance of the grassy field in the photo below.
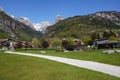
(17, 67)
(95, 55)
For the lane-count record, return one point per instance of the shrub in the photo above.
(68, 44)
(45, 44)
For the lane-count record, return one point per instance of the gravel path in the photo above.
(100, 67)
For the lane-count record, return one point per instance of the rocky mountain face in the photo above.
(15, 29)
(58, 19)
(26, 21)
(112, 16)
(1, 9)
(84, 25)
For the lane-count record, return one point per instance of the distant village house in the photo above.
(106, 44)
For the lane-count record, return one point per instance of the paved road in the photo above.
(104, 68)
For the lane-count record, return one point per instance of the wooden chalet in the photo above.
(79, 46)
(4, 42)
(105, 44)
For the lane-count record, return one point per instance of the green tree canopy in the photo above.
(56, 42)
(87, 39)
(70, 40)
(36, 42)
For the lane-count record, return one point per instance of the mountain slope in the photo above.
(16, 29)
(78, 26)
(25, 21)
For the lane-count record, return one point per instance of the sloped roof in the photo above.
(107, 42)
(1, 40)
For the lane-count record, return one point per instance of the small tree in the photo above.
(56, 42)
(68, 44)
(45, 44)
(112, 34)
(87, 39)
(106, 34)
(70, 41)
(65, 44)
(36, 42)
(94, 36)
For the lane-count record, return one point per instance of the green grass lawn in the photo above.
(94, 55)
(18, 67)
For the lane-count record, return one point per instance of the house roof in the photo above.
(107, 42)
(1, 40)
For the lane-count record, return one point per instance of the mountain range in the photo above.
(39, 26)
(22, 27)
(79, 26)
(12, 28)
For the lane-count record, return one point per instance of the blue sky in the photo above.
(46, 10)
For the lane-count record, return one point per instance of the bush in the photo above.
(68, 44)
(36, 42)
(45, 44)
(56, 42)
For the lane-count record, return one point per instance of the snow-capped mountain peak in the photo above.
(39, 26)
(42, 26)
